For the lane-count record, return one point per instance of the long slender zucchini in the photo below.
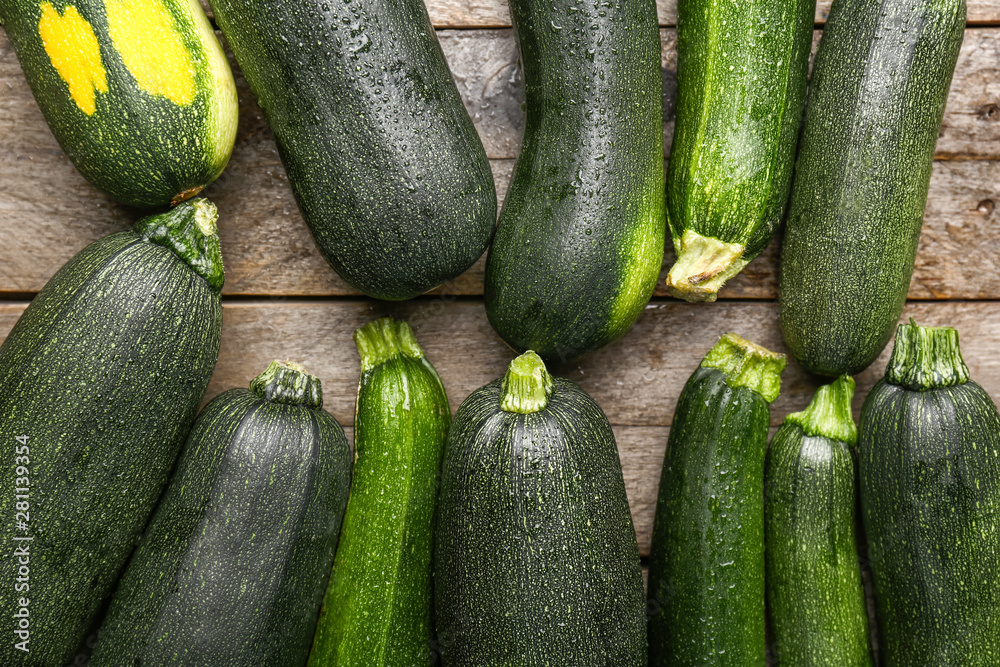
(382, 156)
(929, 462)
(100, 380)
(378, 605)
(741, 84)
(814, 590)
(232, 567)
(535, 557)
(139, 94)
(876, 100)
(579, 242)
(706, 564)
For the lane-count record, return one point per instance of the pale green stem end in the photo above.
(385, 339)
(527, 385)
(926, 358)
(289, 383)
(829, 412)
(747, 364)
(190, 231)
(703, 266)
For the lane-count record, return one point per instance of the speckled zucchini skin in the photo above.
(377, 611)
(876, 100)
(382, 157)
(579, 242)
(103, 373)
(232, 567)
(929, 463)
(536, 560)
(147, 130)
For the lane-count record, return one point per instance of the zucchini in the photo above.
(535, 557)
(741, 84)
(100, 380)
(232, 566)
(138, 94)
(817, 602)
(929, 463)
(382, 157)
(579, 242)
(876, 100)
(706, 562)
(377, 611)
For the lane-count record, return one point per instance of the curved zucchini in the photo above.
(138, 93)
(579, 242)
(741, 84)
(535, 557)
(876, 100)
(377, 611)
(100, 380)
(706, 563)
(814, 589)
(382, 156)
(929, 462)
(231, 569)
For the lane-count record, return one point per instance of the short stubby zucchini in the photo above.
(706, 562)
(100, 380)
(535, 556)
(929, 464)
(232, 567)
(378, 605)
(876, 100)
(138, 94)
(817, 602)
(384, 160)
(579, 243)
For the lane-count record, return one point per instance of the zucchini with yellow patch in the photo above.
(137, 92)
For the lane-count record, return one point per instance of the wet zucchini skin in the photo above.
(103, 373)
(876, 100)
(138, 93)
(383, 159)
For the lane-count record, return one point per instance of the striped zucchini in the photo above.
(814, 590)
(232, 567)
(706, 562)
(579, 242)
(741, 83)
(137, 92)
(876, 100)
(929, 462)
(535, 557)
(378, 605)
(100, 380)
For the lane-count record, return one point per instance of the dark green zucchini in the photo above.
(535, 558)
(876, 100)
(138, 93)
(929, 461)
(377, 611)
(814, 590)
(706, 563)
(100, 380)
(232, 567)
(741, 84)
(579, 242)
(382, 157)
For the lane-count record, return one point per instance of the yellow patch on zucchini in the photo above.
(146, 36)
(73, 50)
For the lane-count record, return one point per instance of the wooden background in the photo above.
(282, 300)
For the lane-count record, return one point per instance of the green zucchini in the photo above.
(138, 93)
(535, 557)
(579, 242)
(814, 589)
(876, 100)
(232, 567)
(100, 380)
(377, 611)
(741, 84)
(929, 463)
(706, 563)
(383, 159)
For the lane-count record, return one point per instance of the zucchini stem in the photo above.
(527, 386)
(385, 339)
(747, 364)
(926, 358)
(703, 266)
(190, 231)
(289, 383)
(829, 413)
